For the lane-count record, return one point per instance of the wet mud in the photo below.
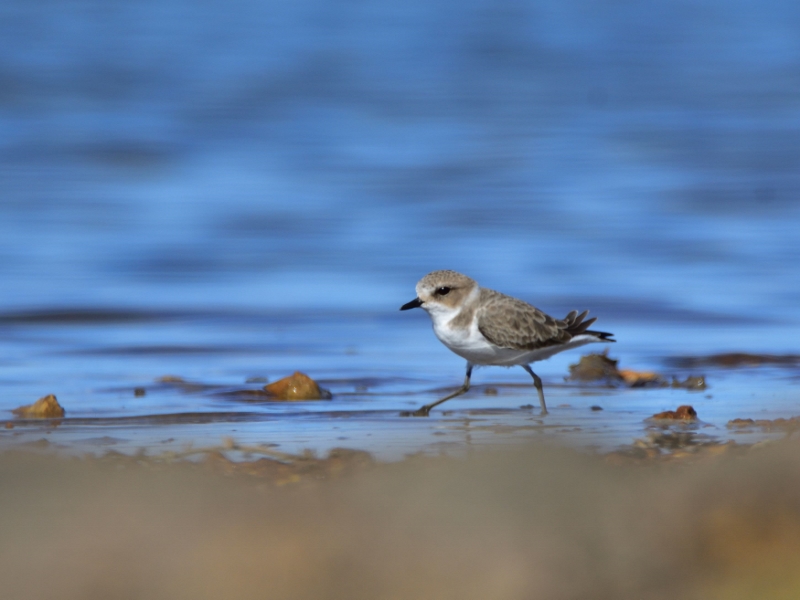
(789, 425)
(736, 360)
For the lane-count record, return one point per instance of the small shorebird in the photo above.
(489, 328)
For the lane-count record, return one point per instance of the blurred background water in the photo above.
(229, 190)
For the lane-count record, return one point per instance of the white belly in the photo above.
(471, 345)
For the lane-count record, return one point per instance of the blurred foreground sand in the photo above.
(532, 522)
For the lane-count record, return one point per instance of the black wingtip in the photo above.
(603, 336)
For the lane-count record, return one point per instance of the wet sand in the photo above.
(596, 404)
(531, 521)
(609, 496)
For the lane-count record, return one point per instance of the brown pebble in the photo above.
(46, 407)
(297, 386)
(595, 367)
(490, 391)
(683, 413)
(641, 378)
(9, 425)
(693, 382)
(139, 392)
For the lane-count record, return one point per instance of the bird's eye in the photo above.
(442, 291)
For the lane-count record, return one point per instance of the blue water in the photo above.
(221, 191)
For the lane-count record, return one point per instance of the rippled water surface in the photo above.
(227, 192)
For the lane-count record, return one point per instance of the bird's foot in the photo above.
(423, 411)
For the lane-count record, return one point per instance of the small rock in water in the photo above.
(44, 408)
(596, 407)
(599, 367)
(297, 386)
(595, 367)
(139, 392)
(693, 382)
(683, 413)
(641, 378)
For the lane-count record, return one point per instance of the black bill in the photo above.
(415, 303)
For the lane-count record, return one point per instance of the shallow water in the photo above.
(221, 193)
(375, 366)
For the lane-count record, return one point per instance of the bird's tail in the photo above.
(602, 336)
(576, 325)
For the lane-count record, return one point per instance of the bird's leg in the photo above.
(538, 383)
(424, 411)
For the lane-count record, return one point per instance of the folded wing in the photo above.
(511, 323)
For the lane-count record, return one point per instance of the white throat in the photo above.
(462, 336)
(441, 314)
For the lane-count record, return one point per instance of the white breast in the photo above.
(469, 342)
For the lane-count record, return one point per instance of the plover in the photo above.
(489, 328)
